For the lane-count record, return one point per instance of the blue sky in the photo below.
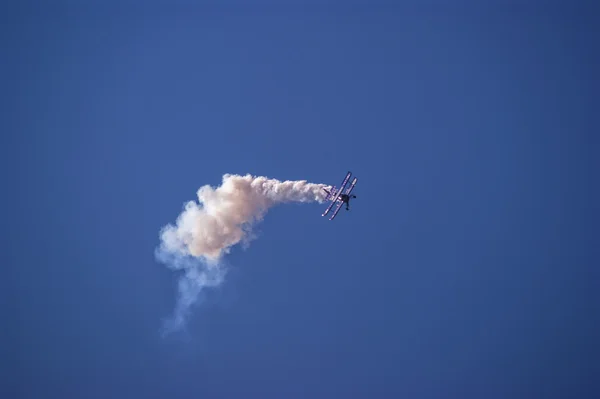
(466, 267)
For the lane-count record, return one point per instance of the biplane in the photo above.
(340, 196)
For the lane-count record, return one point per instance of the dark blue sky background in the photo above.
(467, 267)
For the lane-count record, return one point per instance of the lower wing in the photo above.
(336, 210)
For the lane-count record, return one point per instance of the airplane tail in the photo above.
(330, 194)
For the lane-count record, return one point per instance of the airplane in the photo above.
(338, 195)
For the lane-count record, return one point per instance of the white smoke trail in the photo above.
(223, 216)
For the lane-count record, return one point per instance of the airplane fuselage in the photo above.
(345, 198)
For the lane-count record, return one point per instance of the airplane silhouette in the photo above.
(335, 195)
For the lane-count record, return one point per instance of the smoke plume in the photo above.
(222, 217)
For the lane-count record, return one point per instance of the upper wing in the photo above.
(336, 210)
(352, 186)
(345, 181)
